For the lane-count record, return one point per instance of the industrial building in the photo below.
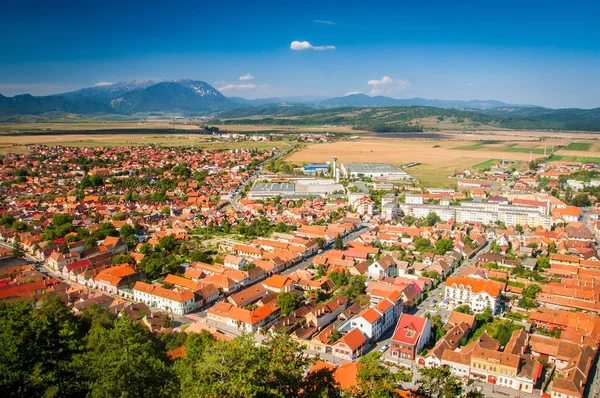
(299, 189)
(375, 171)
(315, 168)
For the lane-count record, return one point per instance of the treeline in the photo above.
(397, 118)
(51, 352)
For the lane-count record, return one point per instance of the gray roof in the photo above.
(372, 168)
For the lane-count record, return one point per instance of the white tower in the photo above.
(334, 170)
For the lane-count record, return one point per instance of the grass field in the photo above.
(502, 147)
(516, 148)
(579, 146)
(582, 159)
(487, 164)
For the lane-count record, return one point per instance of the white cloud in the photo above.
(229, 87)
(247, 76)
(103, 84)
(324, 22)
(352, 93)
(469, 84)
(304, 45)
(386, 85)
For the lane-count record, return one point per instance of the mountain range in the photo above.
(194, 98)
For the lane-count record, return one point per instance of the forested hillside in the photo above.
(408, 118)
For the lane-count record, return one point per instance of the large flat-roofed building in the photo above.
(262, 191)
(375, 171)
(315, 168)
(298, 190)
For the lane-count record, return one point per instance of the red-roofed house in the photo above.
(411, 335)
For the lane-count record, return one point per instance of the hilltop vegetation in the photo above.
(412, 118)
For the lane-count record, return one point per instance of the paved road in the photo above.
(433, 303)
(235, 198)
(308, 261)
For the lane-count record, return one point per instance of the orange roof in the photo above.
(178, 296)
(346, 375)
(277, 281)
(183, 282)
(370, 315)
(354, 339)
(477, 285)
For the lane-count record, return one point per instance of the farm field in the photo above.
(439, 158)
(19, 144)
(487, 164)
(498, 146)
(570, 158)
(579, 146)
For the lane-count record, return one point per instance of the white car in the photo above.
(384, 348)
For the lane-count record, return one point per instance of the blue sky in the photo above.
(526, 52)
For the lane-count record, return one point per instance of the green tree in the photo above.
(444, 245)
(531, 291)
(581, 200)
(543, 262)
(465, 309)
(37, 348)
(124, 362)
(438, 382)
(356, 287)
(338, 244)
(288, 302)
(17, 247)
(334, 336)
(374, 379)
(431, 219)
(123, 258)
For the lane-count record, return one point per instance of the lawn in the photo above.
(487, 164)
(578, 146)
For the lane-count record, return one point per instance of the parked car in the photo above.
(384, 348)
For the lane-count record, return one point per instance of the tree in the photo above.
(239, 368)
(338, 244)
(444, 245)
(123, 361)
(531, 291)
(37, 348)
(374, 379)
(465, 309)
(438, 382)
(431, 219)
(474, 394)
(356, 287)
(123, 258)
(421, 244)
(581, 200)
(288, 302)
(543, 262)
(334, 336)
(17, 247)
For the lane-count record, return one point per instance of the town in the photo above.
(493, 282)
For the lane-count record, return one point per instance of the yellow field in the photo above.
(439, 158)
